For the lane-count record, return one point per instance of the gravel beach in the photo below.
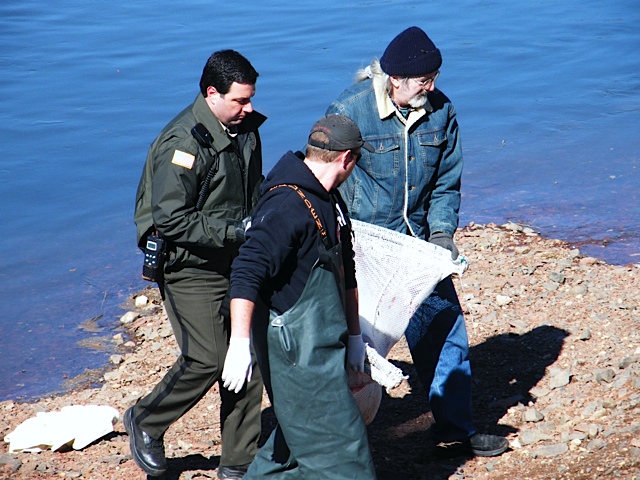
(555, 351)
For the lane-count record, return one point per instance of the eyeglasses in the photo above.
(357, 155)
(427, 83)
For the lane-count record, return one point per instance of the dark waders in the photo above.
(320, 432)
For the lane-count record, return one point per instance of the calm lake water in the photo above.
(548, 99)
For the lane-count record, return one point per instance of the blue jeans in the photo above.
(437, 339)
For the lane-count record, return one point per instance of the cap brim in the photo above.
(368, 147)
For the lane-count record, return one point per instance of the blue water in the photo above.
(548, 98)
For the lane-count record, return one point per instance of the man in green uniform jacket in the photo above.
(200, 181)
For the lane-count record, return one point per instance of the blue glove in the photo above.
(445, 241)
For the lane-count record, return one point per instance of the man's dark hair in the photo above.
(225, 67)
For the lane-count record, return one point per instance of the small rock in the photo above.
(514, 227)
(490, 317)
(559, 378)
(519, 324)
(113, 376)
(532, 415)
(539, 392)
(503, 300)
(116, 359)
(606, 375)
(585, 334)
(579, 290)
(625, 362)
(13, 462)
(141, 301)
(596, 444)
(594, 430)
(165, 331)
(588, 261)
(556, 277)
(114, 460)
(589, 409)
(128, 317)
(551, 450)
(529, 437)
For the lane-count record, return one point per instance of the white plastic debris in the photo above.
(75, 425)
(395, 274)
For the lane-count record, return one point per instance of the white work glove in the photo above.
(237, 364)
(356, 353)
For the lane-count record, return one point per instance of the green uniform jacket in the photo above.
(173, 175)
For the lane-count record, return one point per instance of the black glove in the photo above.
(239, 229)
(444, 240)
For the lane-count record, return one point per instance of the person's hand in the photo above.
(444, 240)
(355, 353)
(240, 228)
(237, 364)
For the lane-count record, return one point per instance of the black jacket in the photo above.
(282, 244)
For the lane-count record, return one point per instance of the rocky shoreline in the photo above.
(555, 350)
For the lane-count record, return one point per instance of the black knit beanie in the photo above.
(411, 54)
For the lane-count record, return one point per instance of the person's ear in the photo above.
(212, 92)
(395, 81)
(346, 158)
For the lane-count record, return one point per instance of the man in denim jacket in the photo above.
(411, 184)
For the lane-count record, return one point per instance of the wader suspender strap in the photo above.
(323, 233)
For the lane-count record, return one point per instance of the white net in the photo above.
(395, 274)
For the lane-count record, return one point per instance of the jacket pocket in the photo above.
(432, 143)
(384, 161)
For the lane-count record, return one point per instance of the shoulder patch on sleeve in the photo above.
(183, 159)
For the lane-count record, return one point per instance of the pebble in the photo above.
(551, 450)
(503, 300)
(585, 334)
(528, 437)
(606, 375)
(128, 317)
(559, 378)
(141, 301)
(532, 415)
(556, 277)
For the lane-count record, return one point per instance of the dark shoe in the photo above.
(484, 445)
(232, 472)
(480, 444)
(147, 452)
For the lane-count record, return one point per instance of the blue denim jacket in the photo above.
(411, 183)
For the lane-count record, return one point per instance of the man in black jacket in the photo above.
(298, 262)
(200, 180)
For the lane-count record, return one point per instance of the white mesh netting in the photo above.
(395, 274)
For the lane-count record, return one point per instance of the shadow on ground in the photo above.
(505, 368)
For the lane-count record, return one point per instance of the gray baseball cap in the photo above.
(342, 132)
